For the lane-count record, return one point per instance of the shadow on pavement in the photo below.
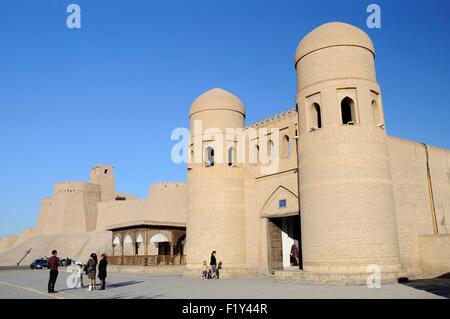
(14, 267)
(439, 286)
(128, 296)
(108, 286)
(122, 284)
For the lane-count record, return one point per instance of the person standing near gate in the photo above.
(213, 264)
(53, 264)
(294, 255)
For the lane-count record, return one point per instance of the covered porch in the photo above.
(148, 243)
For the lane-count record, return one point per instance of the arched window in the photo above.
(139, 241)
(180, 245)
(209, 155)
(376, 112)
(231, 156)
(192, 155)
(116, 241)
(254, 156)
(316, 116)
(348, 111)
(128, 240)
(117, 249)
(286, 147)
(269, 147)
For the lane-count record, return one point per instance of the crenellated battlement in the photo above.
(291, 113)
(77, 187)
(161, 185)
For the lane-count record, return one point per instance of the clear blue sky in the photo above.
(113, 91)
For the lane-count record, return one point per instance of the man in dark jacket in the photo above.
(102, 271)
(53, 264)
(213, 264)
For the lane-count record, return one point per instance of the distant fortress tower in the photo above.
(215, 214)
(346, 193)
(103, 175)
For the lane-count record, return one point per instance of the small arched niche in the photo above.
(270, 147)
(209, 156)
(315, 116)
(348, 111)
(231, 156)
(376, 113)
(285, 146)
(254, 154)
(192, 159)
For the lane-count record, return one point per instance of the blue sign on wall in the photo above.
(282, 203)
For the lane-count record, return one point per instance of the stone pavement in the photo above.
(33, 284)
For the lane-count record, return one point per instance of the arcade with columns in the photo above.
(147, 243)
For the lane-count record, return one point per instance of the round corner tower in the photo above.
(215, 213)
(347, 205)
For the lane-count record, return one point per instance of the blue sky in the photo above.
(113, 91)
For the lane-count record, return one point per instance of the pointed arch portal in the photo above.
(282, 216)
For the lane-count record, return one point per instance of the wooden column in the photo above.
(172, 250)
(112, 244)
(146, 243)
(134, 244)
(121, 245)
(145, 247)
(121, 249)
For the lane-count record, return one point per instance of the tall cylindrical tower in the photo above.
(347, 205)
(215, 215)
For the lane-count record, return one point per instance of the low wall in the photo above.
(435, 254)
(173, 270)
(150, 260)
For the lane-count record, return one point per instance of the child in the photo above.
(204, 270)
(81, 275)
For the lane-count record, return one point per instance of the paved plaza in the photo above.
(33, 284)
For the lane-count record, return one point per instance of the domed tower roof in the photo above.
(217, 99)
(333, 34)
